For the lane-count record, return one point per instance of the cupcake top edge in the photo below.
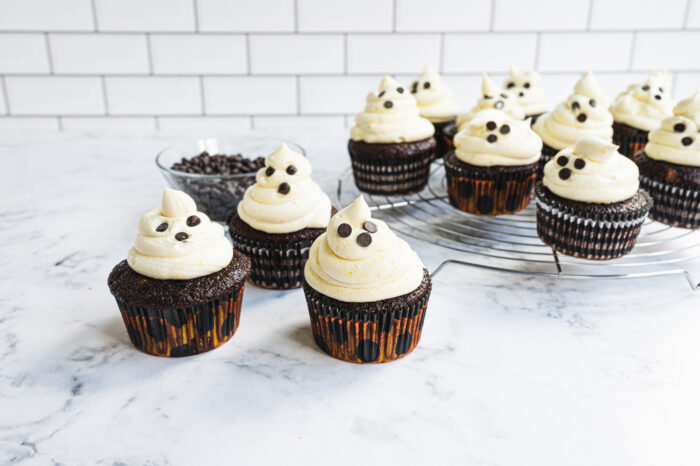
(434, 99)
(284, 198)
(494, 97)
(391, 115)
(526, 86)
(592, 171)
(644, 105)
(177, 242)
(359, 259)
(676, 140)
(493, 137)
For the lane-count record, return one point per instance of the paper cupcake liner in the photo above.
(674, 204)
(576, 232)
(478, 192)
(184, 331)
(444, 134)
(366, 336)
(548, 154)
(277, 266)
(404, 175)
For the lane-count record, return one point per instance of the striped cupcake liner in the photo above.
(575, 232)
(404, 175)
(183, 331)
(365, 337)
(674, 204)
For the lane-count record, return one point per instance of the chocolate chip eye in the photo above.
(505, 96)
(592, 103)
(364, 239)
(521, 94)
(182, 236)
(562, 160)
(284, 188)
(492, 138)
(369, 226)
(499, 104)
(193, 221)
(426, 85)
(381, 94)
(487, 96)
(399, 90)
(575, 105)
(270, 171)
(344, 230)
(162, 227)
(687, 141)
(505, 129)
(491, 125)
(510, 85)
(388, 104)
(291, 170)
(645, 87)
(579, 164)
(526, 85)
(564, 173)
(657, 96)
(679, 127)
(582, 117)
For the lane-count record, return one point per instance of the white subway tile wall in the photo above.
(222, 65)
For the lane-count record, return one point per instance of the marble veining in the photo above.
(510, 370)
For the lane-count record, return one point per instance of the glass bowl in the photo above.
(217, 195)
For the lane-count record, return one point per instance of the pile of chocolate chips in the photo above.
(217, 196)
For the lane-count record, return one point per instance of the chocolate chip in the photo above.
(369, 226)
(687, 141)
(592, 103)
(526, 85)
(291, 170)
(388, 104)
(510, 85)
(645, 87)
(364, 239)
(426, 85)
(344, 230)
(575, 105)
(499, 104)
(162, 227)
(284, 188)
(270, 171)
(562, 160)
(381, 93)
(579, 164)
(521, 94)
(564, 173)
(491, 125)
(679, 127)
(657, 96)
(492, 138)
(504, 95)
(399, 90)
(582, 117)
(193, 221)
(505, 129)
(182, 236)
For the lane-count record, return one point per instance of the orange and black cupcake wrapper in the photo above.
(675, 204)
(482, 193)
(183, 331)
(366, 336)
(404, 175)
(579, 233)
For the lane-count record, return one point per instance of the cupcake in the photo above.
(278, 219)
(493, 97)
(366, 289)
(526, 86)
(180, 289)
(435, 103)
(583, 113)
(640, 109)
(669, 166)
(589, 203)
(493, 167)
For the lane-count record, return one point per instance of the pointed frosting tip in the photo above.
(177, 203)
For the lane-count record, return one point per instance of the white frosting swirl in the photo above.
(266, 208)
(526, 85)
(434, 98)
(340, 268)
(515, 142)
(644, 105)
(606, 176)
(677, 140)
(391, 115)
(584, 113)
(176, 242)
(493, 96)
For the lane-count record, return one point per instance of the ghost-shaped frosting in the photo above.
(644, 105)
(526, 86)
(434, 98)
(492, 96)
(677, 139)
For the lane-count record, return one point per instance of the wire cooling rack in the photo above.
(509, 243)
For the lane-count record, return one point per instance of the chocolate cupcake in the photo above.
(278, 219)
(366, 289)
(493, 97)
(669, 166)
(180, 289)
(640, 109)
(435, 103)
(493, 168)
(526, 86)
(391, 145)
(583, 113)
(589, 203)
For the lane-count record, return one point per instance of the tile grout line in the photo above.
(6, 95)
(49, 55)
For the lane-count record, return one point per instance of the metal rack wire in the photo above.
(509, 243)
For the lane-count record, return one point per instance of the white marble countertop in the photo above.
(509, 371)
